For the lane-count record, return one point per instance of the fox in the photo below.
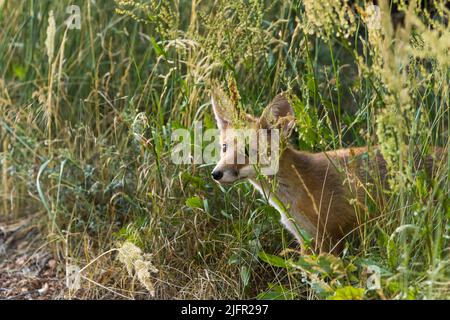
(321, 193)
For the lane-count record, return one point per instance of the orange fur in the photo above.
(323, 192)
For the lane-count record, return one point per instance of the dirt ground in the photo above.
(27, 268)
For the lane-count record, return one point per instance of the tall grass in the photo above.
(85, 139)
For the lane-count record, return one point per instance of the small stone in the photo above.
(51, 263)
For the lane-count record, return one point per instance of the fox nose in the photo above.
(217, 175)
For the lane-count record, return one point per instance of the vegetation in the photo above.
(86, 117)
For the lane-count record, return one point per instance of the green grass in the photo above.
(85, 144)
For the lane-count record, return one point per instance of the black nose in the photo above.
(217, 175)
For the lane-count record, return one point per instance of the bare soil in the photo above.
(27, 268)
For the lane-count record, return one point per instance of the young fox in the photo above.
(317, 192)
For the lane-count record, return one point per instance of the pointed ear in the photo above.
(222, 110)
(278, 114)
(278, 108)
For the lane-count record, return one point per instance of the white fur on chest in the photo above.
(301, 220)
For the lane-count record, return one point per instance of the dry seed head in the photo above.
(138, 264)
(327, 18)
(50, 40)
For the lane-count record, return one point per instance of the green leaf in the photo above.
(194, 203)
(234, 259)
(19, 71)
(159, 51)
(273, 260)
(196, 182)
(245, 275)
(348, 293)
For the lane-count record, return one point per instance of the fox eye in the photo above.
(224, 148)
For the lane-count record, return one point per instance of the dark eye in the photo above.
(224, 148)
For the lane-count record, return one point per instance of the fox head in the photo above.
(236, 153)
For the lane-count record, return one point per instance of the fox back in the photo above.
(321, 193)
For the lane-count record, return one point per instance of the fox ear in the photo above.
(279, 115)
(279, 107)
(222, 110)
